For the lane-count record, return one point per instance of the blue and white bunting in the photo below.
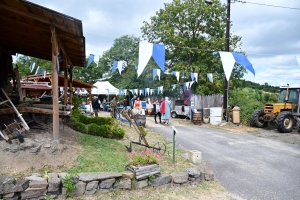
(154, 73)
(210, 77)
(115, 65)
(146, 50)
(175, 73)
(44, 74)
(136, 67)
(38, 71)
(192, 76)
(91, 59)
(32, 67)
(228, 60)
(173, 86)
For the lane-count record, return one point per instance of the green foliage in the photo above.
(151, 177)
(47, 197)
(191, 31)
(76, 101)
(98, 126)
(23, 65)
(142, 158)
(89, 74)
(249, 100)
(68, 184)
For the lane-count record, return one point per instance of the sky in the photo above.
(270, 35)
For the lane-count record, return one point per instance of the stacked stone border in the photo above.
(35, 187)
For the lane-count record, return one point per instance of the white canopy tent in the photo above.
(104, 87)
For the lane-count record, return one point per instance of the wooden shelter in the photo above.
(36, 31)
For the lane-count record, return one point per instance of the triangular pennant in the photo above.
(210, 77)
(37, 70)
(196, 77)
(145, 53)
(158, 73)
(115, 66)
(32, 66)
(192, 76)
(120, 66)
(158, 55)
(227, 62)
(242, 60)
(91, 59)
(44, 74)
(161, 89)
(154, 73)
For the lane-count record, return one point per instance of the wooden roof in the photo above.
(75, 83)
(25, 29)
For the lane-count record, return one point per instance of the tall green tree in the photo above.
(192, 31)
(89, 74)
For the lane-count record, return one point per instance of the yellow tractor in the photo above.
(285, 113)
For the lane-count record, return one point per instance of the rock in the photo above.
(191, 179)
(47, 145)
(162, 179)
(30, 193)
(36, 174)
(185, 184)
(176, 185)
(27, 144)
(11, 196)
(180, 177)
(38, 184)
(107, 183)
(206, 173)
(34, 178)
(194, 173)
(75, 179)
(12, 149)
(62, 174)
(91, 187)
(79, 189)
(94, 176)
(54, 186)
(52, 175)
(125, 184)
(166, 186)
(105, 190)
(36, 149)
(141, 184)
(10, 185)
(128, 174)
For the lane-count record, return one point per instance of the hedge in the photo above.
(98, 126)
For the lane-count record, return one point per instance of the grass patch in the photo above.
(100, 155)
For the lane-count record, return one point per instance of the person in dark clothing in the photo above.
(156, 111)
(132, 101)
(96, 105)
(124, 103)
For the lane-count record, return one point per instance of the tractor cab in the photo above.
(288, 96)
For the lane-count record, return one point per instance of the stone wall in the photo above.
(35, 187)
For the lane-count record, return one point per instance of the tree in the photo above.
(89, 74)
(24, 63)
(192, 31)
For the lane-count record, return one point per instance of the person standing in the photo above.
(156, 111)
(124, 103)
(104, 105)
(132, 102)
(137, 104)
(166, 110)
(96, 106)
(113, 107)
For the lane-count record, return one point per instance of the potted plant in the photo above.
(206, 119)
(144, 163)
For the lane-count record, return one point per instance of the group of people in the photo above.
(162, 108)
(97, 105)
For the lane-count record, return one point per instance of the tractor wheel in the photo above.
(173, 115)
(257, 119)
(285, 122)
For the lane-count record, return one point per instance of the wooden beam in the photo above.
(71, 85)
(54, 85)
(30, 109)
(65, 86)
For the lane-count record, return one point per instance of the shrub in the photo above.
(103, 130)
(78, 126)
(118, 133)
(104, 121)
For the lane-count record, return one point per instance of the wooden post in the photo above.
(54, 84)
(71, 87)
(66, 86)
